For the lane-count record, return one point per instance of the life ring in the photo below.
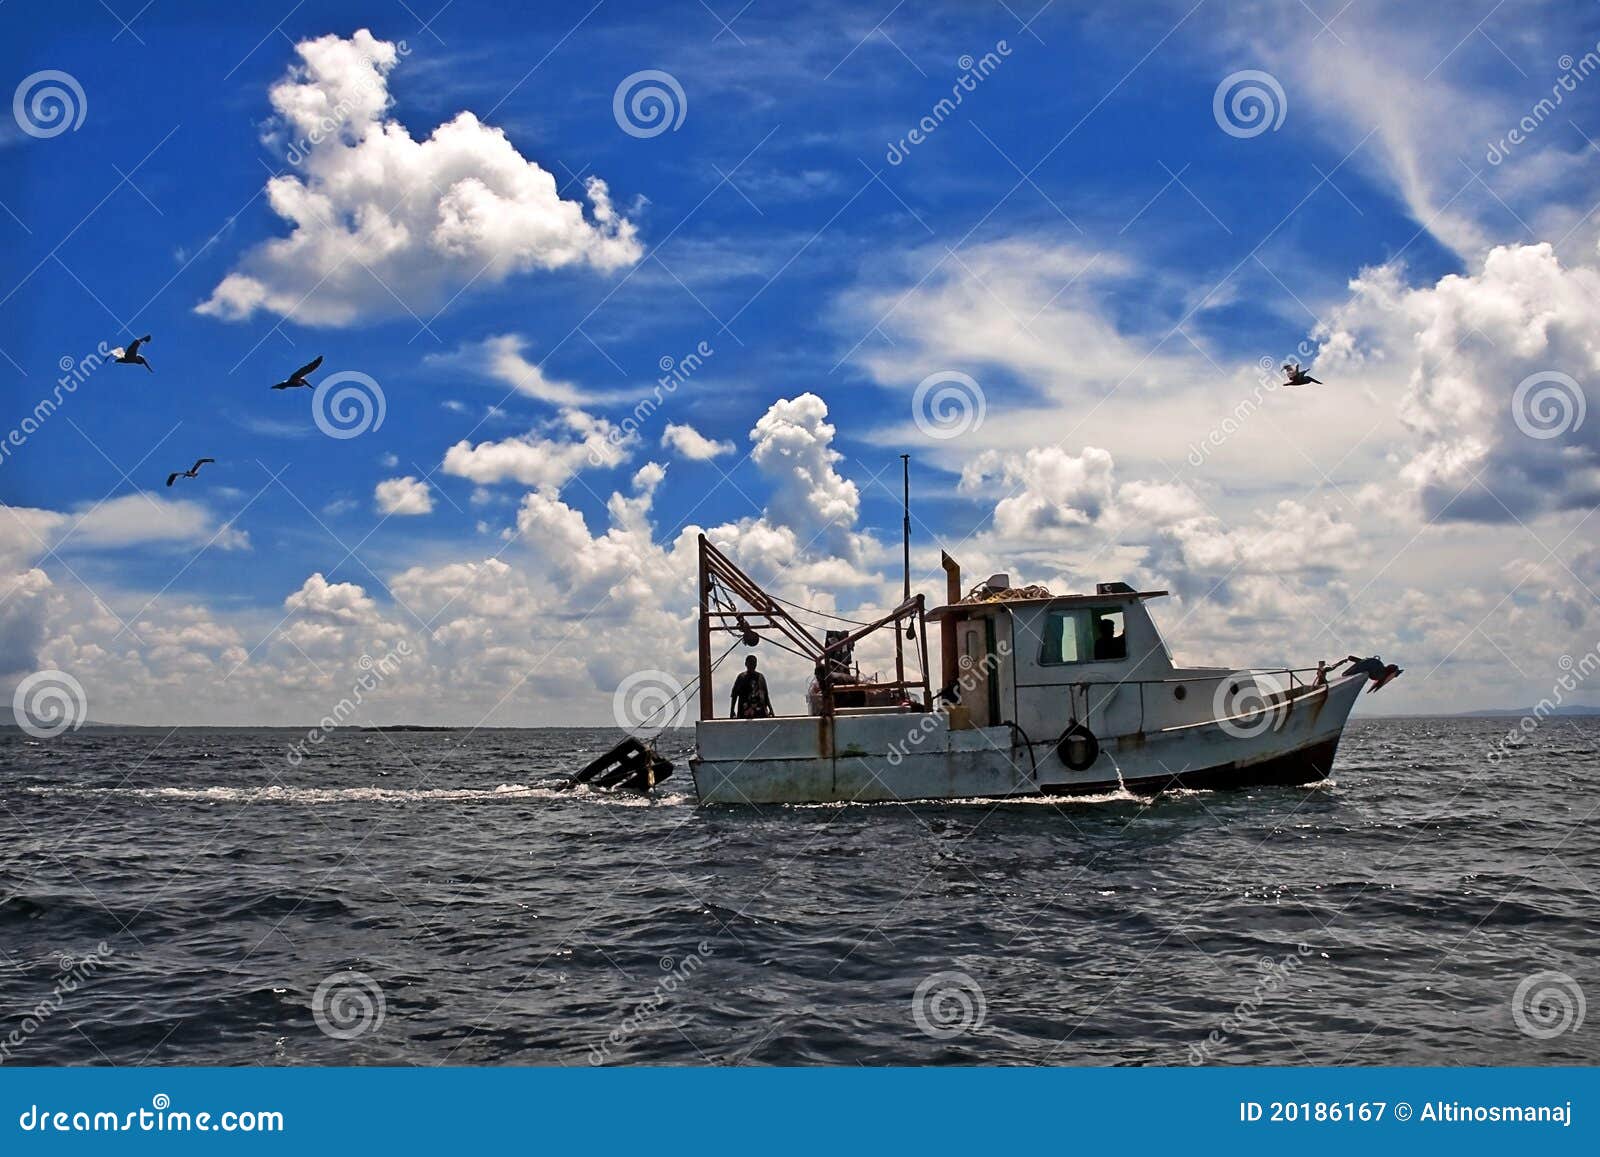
(1077, 748)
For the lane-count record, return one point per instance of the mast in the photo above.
(905, 535)
(905, 471)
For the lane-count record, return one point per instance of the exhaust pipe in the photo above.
(949, 667)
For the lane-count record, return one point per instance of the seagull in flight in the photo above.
(1295, 376)
(192, 472)
(131, 356)
(298, 378)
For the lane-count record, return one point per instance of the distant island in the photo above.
(1496, 712)
(412, 727)
(1573, 711)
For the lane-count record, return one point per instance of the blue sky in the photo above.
(1105, 256)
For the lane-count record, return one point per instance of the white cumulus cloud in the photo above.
(406, 495)
(692, 444)
(794, 449)
(377, 215)
(1465, 345)
(537, 460)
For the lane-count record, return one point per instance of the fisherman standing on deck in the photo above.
(750, 699)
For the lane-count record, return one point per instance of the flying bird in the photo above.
(131, 356)
(192, 472)
(298, 378)
(1295, 376)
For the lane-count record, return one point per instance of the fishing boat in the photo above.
(1038, 694)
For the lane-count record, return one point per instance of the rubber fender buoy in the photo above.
(1077, 748)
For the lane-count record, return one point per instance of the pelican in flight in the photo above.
(298, 378)
(192, 472)
(131, 356)
(1295, 376)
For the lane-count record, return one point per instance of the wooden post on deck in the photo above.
(708, 700)
(922, 641)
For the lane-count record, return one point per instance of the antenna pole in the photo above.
(905, 470)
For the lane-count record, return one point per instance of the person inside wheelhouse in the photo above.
(1108, 644)
(1078, 635)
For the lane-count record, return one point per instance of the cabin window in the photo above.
(1083, 635)
(1061, 635)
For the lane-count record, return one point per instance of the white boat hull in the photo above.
(886, 756)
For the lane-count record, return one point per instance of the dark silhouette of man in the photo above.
(750, 699)
(1110, 645)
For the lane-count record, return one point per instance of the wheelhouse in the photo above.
(1022, 658)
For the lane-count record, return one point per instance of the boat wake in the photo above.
(340, 795)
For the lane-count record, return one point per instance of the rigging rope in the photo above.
(823, 614)
(683, 691)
